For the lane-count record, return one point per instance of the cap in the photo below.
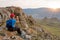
(12, 15)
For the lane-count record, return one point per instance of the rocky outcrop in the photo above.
(21, 17)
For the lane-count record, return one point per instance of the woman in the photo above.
(10, 24)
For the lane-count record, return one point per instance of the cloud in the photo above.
(22, 3)
(27, 3)
(6, 2)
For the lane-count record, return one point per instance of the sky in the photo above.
(31, 3)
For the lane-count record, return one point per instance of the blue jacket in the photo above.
(10, 23)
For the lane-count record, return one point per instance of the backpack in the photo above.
(10, 23)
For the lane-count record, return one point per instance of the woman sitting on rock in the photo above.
(10, 24)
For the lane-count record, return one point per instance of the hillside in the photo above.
(43, 12)
(52, 25)
(31, 30)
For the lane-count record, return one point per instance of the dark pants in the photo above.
(15, 29)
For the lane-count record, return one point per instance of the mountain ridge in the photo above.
(42, 12)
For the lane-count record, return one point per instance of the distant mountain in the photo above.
(42, 12)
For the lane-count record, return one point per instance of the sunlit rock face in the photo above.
(23, 21)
